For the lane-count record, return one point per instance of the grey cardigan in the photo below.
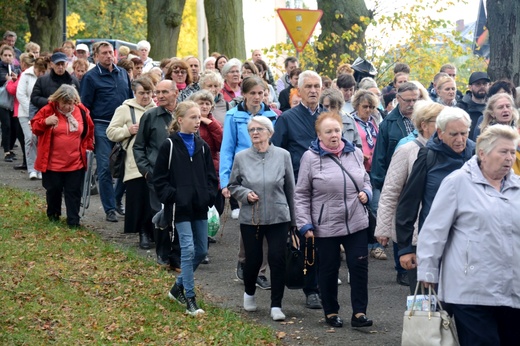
(270, 176)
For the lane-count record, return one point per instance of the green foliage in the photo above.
(13, 18)
(411, 36)
(119, 19)
(68, 287)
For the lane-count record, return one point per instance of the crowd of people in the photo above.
(351, 166)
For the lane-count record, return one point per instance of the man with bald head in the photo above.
(153, 131)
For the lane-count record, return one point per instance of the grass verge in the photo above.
(68, 287)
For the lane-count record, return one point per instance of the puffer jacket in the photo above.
(236, 137)
(326, 200)
(24, 90)
(473, 230)
(118, 131)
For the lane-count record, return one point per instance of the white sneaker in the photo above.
(339, 281)
(235, 213)
(33, 176)
(39, 175)
(277, 314)
(249, 302)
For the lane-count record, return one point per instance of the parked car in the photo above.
(115, 43)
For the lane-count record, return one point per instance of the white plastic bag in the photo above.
(213, 221)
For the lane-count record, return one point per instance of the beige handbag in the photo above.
(427, 328)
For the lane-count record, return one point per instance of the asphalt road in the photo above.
(217, 281)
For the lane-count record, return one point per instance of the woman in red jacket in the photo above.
(65, 132)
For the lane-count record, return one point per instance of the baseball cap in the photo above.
(476, 76)
(58, 57)
(82, 46)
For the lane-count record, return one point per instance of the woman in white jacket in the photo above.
(23, 94)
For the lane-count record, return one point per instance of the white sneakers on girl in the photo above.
(249, 302)
(277, 314)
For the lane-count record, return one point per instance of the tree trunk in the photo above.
(164, 25)
(337, 22)
(46, 23)
(503, 22)
(226, 28)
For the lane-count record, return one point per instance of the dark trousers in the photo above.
(138, 215)
(69, 185)
(479, 325)
(311, 276)
(357, 261)
(18, 134)
(253, 239)
(233, 203)
(5, 124)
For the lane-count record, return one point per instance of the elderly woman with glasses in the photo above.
(179, 72)
(263, 180)
(231, 74)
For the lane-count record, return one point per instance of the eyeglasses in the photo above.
(256, 129)
(181, 72)
(407, 101)
(368, 106)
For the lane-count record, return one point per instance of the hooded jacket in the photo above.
(422, 185)
(24, 90)
(190, 182)
(469, 242)
(326, 199)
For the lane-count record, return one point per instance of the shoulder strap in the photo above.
(430, 159)
(418, 143)
(171, 151)
(344, 170)
(132, 113)
(85, 124)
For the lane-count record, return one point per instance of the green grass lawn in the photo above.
(68, 287)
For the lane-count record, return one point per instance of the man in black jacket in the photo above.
(153, 131)
(474, 101)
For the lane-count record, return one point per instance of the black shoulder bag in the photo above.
(118, 154)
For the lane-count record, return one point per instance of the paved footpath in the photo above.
(218, 282)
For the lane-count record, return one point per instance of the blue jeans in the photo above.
(193, 239)
(102, 149)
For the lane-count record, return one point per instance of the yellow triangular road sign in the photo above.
(299, 24)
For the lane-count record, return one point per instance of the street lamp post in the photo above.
(64, 20)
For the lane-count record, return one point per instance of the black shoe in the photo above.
(361, 321)
(334, 321)
(13, 155)
(313, 301)
(54, 218)
(22, 167)
(8, 157)
(120, 209)
(162, 262)
(192, 308)
(205, 260)
(111, 216)
(177, 294)
(240, 271)
(263, 283)
(144, 241)
(212, 240)
(402, 279)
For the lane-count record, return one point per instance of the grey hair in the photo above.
(449, 114)
(367, 83)
(203, 95)
(231, 63)
(335, 97)
(211, 76)
(264, 121)
(305, 75)
(425, 111)
(144, 44)
(208, 59)
(364, 95)
(408, 86)
(488, 138)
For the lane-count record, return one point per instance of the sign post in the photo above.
(300, 24)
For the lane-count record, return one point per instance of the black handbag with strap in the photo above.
(294, 262)
(118, 154)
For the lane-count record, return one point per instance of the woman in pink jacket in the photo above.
(330, 197)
